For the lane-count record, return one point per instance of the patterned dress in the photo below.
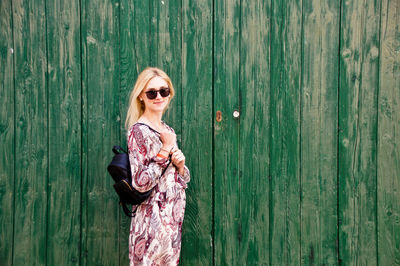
(155, 231)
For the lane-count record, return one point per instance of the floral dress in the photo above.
(156, 228)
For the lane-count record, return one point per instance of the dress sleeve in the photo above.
(186, 174)
(146, 171)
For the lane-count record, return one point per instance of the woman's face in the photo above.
(159, 103)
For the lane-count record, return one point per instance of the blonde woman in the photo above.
(156, 163)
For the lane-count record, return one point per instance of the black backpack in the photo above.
(120, 171)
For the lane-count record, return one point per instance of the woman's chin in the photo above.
(157, 109)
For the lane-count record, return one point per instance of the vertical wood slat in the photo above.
(84, 252)
(226, 133)
(31, 133)
(359, 58)
(388, 136)
(197, 119)
(6, 133)
(134, 52)
(254, 129)
(101, 87)
(64, 86)
(134, 55)
(285, 132)
(165, 46)
(319, 132)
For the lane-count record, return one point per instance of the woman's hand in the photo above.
(178, 159)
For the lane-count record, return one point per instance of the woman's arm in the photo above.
(186, 174)
(145, 171)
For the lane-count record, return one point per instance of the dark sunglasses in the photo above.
(152, 94)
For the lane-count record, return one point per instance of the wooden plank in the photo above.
(84, 138)
(134, 47)
(226, 132)
(359, 63)
(165, 51)
(165, 41)
(134, 56)
(64, 83)
(254, 130)
(134, 50)
(7, 124)
(319, 132)
(197, 131)
(389, 136)
(285, 132)
(100, 37)
(31, 133)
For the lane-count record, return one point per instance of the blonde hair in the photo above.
(136, 107)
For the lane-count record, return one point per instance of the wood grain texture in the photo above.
(285, 132)
(101, 85)
(307, 174)
(359, 59)
(165, 37)
(196, 134)
(84, 252)
(31, 133)
(134, 51)
(226, 132)
(7, 124)
(254, 129)
(134, 56)
(388, 155)
(64, 86)
(319, 109)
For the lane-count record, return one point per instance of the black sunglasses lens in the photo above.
(151, 94)
(164, 92)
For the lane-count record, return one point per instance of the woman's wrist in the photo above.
(181, 171)
(167, 148)
(165, 151)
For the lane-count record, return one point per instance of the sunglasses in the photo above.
(152, 94)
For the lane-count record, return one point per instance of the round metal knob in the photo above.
(236, 114)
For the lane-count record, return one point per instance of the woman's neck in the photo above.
(153, 118)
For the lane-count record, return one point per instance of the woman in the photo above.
(156, 162)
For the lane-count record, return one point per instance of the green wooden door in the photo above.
(241, 160)
(297, 102)
(265, 147)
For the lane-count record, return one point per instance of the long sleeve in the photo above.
(146, 171)
(186, 174)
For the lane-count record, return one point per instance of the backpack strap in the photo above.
(152, 129)
(126, 210)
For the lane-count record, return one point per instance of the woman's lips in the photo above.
(158, 102)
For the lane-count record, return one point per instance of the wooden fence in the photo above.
(306, 171)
